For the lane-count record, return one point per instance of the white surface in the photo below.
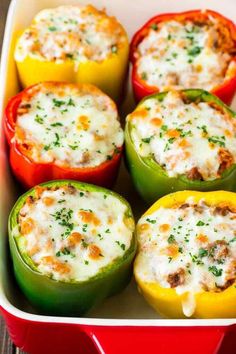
(129, 306)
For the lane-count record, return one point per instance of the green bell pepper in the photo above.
(50, 296)
(152, 181)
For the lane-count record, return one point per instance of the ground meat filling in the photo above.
(185, 54)
(192, 138)
(70, 234)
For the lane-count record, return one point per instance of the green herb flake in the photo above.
(71, 102)
(200, 223)
(217, 272)
(217, 140)
(57, 124)
(144, 76)
(147, 140)
(154, 27)
(58, 103)
(84, 244)
(122, 245)
(194, 51)
(52, 28)
(151, 221)
(202, 252)
(171, 239)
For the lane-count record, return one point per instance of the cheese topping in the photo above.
(191, 248)
(197, 139)
(177, 54)
(78, 33)
(69, 125)
(71, 234)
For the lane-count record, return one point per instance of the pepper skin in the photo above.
(152, 181)
(30, 173)
(68, 298)
(225, 91)
(208, 304)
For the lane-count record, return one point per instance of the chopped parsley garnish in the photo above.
(84, 228)
(194, 51)
(71, 102)
(215, 271)
(84, 244)
(58, 103)
(65, 252)
(200, 223)
(144, 76)
(151, 221)
(57, 141)
(61, 201)
(47, 147)
(195, 259)
(202, 253)
(73, 147)
(86, 262)
(38, 119)
(171, 140)
(154, 26)
(147, 140)
(52, 28)
(122, 245)
(63, 216)
(204, 129)
(171, 239)
(217, 140)
(57, 124)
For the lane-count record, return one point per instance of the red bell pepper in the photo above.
(31, 173)
(225, 91)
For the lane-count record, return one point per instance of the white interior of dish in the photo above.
(127, 307)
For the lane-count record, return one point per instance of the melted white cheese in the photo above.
(181, 136)
(80, 33)
(68, 125)
(182, 55)
(101, 220)
(187, 242)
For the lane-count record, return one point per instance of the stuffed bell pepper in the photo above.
(186, 262)
(74, 44)
(72, 245)
(180, 140)
(185, 50)
(58, 130)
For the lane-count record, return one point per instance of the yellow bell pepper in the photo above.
(165, 300)
(108, 74)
